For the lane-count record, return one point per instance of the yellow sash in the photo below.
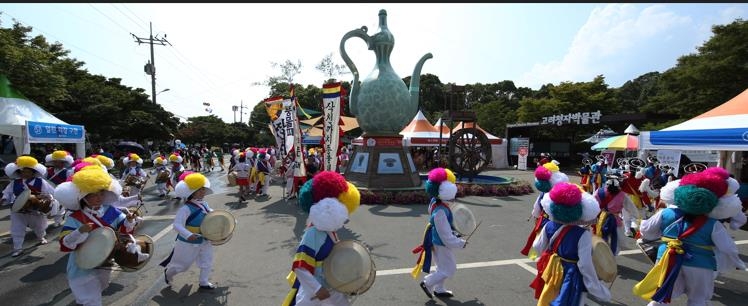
(553, 277)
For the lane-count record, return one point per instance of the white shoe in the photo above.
(16, 253)
(44, 241)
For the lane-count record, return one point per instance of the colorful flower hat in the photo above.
(711, 192)
(160, 161)
(132, 157)
(441, 184)
(175, 158)
(547, 176)
(60, 155)
(191, 183)
(329, 199)
(12, 170)
(88, 180)
(567, 203)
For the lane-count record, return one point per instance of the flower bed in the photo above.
(516, 188)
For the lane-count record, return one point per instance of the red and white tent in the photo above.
(445, 127)
(419, 132)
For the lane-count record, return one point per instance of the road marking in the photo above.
(528, 268)
(522, 262)
(166, 217)
(162, 233)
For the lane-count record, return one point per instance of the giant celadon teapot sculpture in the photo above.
(382, 104)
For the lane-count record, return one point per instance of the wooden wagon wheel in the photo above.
(469, 152)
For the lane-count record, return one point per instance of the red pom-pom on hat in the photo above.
(718, 171)
(710, 181)
(328, 184)
(185, 174)
(566, 194)
(542, 173)
(438, 175)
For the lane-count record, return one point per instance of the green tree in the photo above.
(712, 76)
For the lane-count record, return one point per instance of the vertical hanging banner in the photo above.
(330, 125)
(274, 107)
(289, 123)
(299, 170)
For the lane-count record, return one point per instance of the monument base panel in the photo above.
(381, 167)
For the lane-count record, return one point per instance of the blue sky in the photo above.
(219, 50)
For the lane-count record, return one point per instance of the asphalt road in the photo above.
(251, 268)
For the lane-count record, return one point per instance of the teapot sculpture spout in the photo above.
(415, 80)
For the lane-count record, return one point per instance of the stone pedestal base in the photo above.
(382, 162)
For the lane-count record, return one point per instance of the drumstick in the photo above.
(473, 232)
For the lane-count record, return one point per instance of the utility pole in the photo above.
(150, 68)
(241, 110)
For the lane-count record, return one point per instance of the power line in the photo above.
(107, 17)
(128, 17)
(66, 44)
(133, 13)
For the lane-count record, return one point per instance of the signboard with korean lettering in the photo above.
(41, 132)
(670, 158)
(582, 118)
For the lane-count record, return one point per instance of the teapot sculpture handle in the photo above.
(355, 85)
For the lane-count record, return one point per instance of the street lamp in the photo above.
(167, 89)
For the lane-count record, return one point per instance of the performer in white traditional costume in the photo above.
(160, 166)
(695, 244)
(58, 173)
(88, 196)
(176, 169)
(439, 238)
(190, 246)
(26, 174)
(566, 273)
(329, 199)
(546, 176)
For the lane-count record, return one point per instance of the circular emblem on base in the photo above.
(371, 142)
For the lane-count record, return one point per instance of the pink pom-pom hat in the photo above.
(438, 175)
(543, 174)
(566, 194)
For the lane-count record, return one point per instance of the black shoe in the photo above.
(426, 290)
(445, 294)
(166, 279)
(209, 286)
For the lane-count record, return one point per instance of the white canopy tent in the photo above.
(28, 123)
(723, 128)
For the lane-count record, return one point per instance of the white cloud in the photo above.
(611, 33)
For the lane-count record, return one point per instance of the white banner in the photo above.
(298, 169)
(331, 125)
(670, 158)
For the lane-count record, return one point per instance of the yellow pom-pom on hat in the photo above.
(26, 162)
(451, 176)
(59, 155)
(191, 183)
(106, 161)
(91, 179)
(132, 157)
(551, 167)
(195, 180)
(93, 161)
(351, 198)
